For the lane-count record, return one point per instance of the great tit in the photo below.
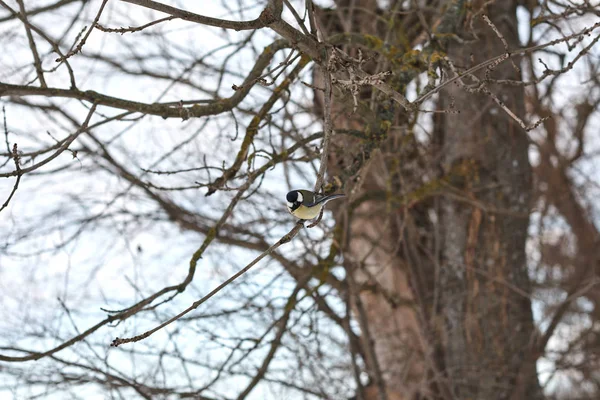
(305, 204)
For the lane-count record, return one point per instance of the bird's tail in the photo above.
(325, 199)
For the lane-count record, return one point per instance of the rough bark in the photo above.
(488, 325)
(443, 278)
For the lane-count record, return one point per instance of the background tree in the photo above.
(148, 149)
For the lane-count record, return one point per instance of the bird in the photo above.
(305, 204)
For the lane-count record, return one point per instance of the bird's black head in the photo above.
(294, 199)
(292, 196)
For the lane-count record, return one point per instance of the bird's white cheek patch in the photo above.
(290, 205)
(300, 198)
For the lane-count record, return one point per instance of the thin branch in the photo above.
(481, 87)
(284, 239)
(270, 13)
(494, 61)
(289, 307)
(269, 17)
(78, 48)
(316, 222)
(299, 20)
(62, 148)
(16, 158)
(42, 34)
(328, 132)
(310, 11)
(126, 313)
(162, 110)
(132, 29)
(36, 57)
(253, 127)
(42, 9)
(501, 37)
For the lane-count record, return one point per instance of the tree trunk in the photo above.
(436, 241)
(488, 324)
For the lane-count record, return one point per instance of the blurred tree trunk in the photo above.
(484, 281)
(442, 278)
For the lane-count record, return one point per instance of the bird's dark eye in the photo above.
(292, 196)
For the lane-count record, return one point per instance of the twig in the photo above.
(36, 57)
(481, 87)
(539, 342)
(211, 236)
(162, 110)
(19, 175)
(271, 13)
(253, 128)
(312, 86)
(126, 313)
(261, 79)
(15, 157)
(8, 151)
(43, 35)
(78, 48)
(285, 239)
(310, 11)
(355, 82)
(494, 60)
(312, 225)
(62, 148)
(501, 37)
(328, 131)
(340, 61)
(276, 342)
(132, 29)
(299, 20)
(38, 10)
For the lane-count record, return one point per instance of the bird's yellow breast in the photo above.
(307, 212)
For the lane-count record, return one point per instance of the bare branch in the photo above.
(133, 29)
(270, 14)
(16, 159)
(36, 57)
(80, 45)
(285, 239)
(63, 147)
(495, 60)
